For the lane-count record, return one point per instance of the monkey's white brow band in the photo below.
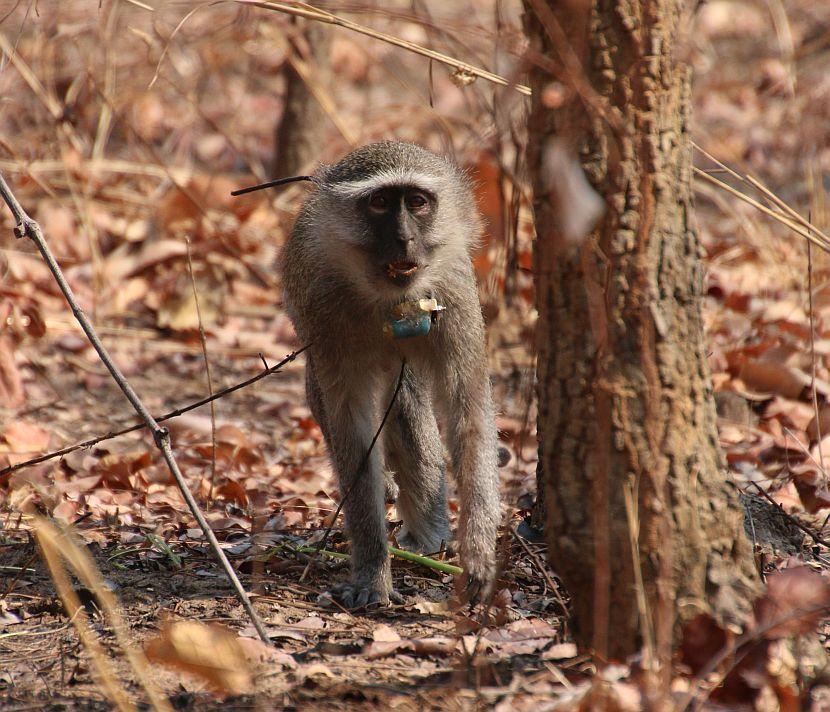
(360, 188)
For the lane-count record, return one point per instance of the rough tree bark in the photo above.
(625, 396)
(301, 133)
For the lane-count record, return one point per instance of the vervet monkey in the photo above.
(388, 228)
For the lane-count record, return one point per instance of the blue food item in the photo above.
(410, 319)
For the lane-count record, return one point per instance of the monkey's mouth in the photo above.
(401, 268)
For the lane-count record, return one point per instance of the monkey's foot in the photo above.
(359, 595)
(429, 545)
(390, 487)
(428, 536)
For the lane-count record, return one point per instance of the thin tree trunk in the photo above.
(301, 133)
(625, 396)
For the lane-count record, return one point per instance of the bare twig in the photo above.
(167, 416)
(23, 569)
(803, 448)
(543, 569)
(572, 72)
(785, 214)
(790, 211)
(26, 227)
(310, 76)
(50, 103)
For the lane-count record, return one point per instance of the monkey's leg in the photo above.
(315, 403)
(350, 430)
(415, 453)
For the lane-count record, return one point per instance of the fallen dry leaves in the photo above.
(212, 653)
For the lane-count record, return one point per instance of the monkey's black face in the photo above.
(399, 220)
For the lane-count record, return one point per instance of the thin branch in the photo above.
(543, 569)
(26, 227)
(572, 72)
(167, 416)
(791, 212)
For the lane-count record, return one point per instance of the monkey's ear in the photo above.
(273, 184)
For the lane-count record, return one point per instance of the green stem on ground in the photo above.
(434, 564)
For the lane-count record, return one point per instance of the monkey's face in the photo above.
(399, 222)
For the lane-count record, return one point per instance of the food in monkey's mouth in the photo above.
(401, 268)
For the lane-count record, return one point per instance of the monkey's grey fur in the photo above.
(339, 290)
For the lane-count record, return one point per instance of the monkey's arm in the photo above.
(472, 439)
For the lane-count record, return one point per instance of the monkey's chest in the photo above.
(378, 338)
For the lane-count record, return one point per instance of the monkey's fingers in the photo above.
(473, 590)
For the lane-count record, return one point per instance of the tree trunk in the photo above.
(301, 133)
(625, 396)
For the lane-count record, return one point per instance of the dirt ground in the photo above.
(325, 654)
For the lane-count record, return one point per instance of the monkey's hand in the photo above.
(475, 585)
(475, 590)
(354, 595)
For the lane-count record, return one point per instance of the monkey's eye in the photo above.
(416, 201)
(378, 203)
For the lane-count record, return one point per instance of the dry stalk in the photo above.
(301, 9)
(543, 569)
(813, 354)
(208, 376)
(780, 217)
(102, 132)
(56, 544)
(49, 102)
(794, 214)
(789, 217)
(633, 519)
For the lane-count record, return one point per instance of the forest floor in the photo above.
(130, 180)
